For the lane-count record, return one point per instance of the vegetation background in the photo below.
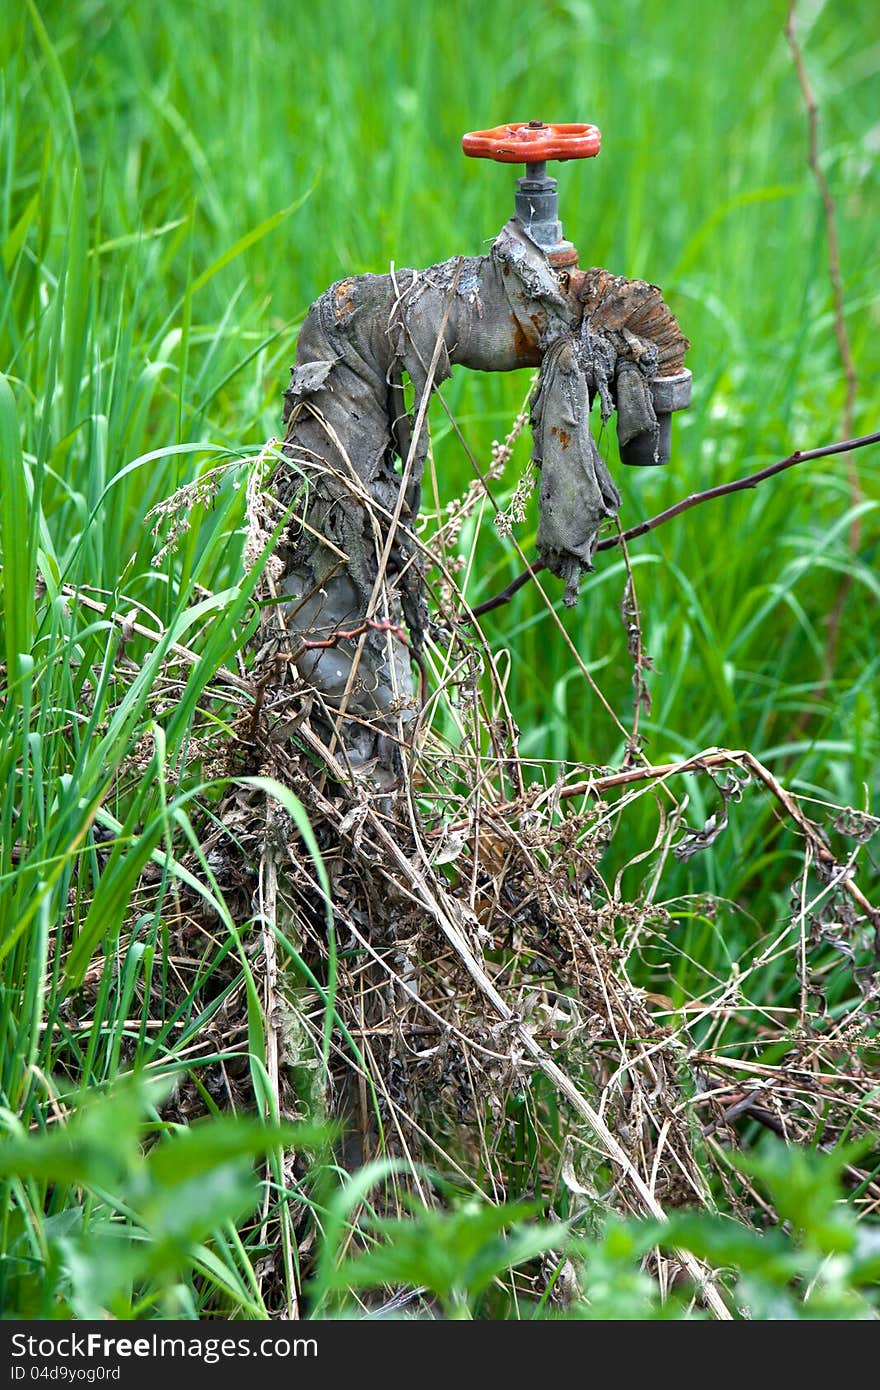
(177, 184)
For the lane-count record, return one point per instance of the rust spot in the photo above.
(564, 438)
(553, 429)
(578, 285)
(525, 342)
(344, 298)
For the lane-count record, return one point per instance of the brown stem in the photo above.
(840, 332)
(341, 634)
(632, 621)
(834, 271)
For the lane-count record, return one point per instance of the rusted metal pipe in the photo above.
(354, 452)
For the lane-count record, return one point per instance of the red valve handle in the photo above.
(532, 142)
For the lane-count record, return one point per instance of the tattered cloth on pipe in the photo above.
(577, 492)
(351, 464)
(350, 429)
(626, 338)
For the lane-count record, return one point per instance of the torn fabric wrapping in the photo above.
(577, 491)
(349, 443)
(635, 405)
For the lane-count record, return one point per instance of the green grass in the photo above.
(177, 184)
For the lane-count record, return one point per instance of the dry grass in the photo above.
(480, 974)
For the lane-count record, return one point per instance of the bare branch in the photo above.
(751, 480)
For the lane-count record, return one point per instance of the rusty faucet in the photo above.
(350, 567)
(536, 209)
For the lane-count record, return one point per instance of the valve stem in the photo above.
(537, 211)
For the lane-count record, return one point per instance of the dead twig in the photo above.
(348, 634)
(712, 757)
(694, 499)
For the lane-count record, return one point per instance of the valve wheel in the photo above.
(533, 142)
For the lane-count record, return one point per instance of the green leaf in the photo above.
(804, 1187)
(452, 1252)
(99, 1147)
(17, 578)
(194, 1151)
(249, 239)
